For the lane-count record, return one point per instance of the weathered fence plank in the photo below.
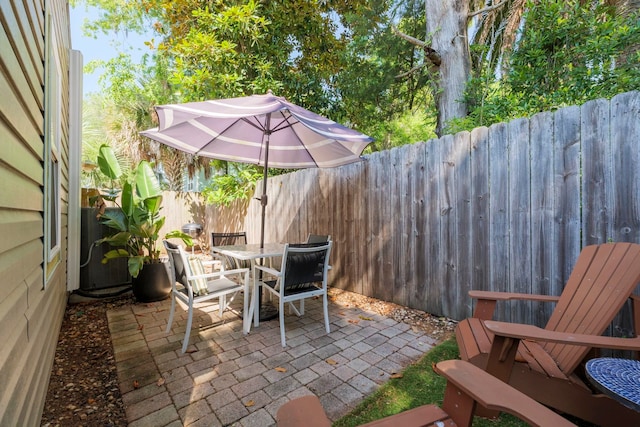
(464, 230)
(447, 248)
(435, 281)
(520, 214)
(418, 260)
(597, 184)
(499, 253)
(543, 234)
(480, 211)
(360, 228)
(400, 224)
(625, 128)
(625, 122)
(567, 205)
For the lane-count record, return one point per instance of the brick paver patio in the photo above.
(231, 379)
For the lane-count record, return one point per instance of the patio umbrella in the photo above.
(265, 130)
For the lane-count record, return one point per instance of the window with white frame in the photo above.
(52, 151)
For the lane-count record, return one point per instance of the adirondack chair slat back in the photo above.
(602, 280)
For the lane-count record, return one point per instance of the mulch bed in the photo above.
(83, 389)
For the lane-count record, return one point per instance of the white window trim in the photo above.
(52, 151)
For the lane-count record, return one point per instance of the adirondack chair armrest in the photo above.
(487, 300)
(494, 394)
(534, 333)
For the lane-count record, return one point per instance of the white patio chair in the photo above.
(199, 286)
(303, 274)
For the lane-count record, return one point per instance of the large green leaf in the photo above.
(135, 264)
(113, 254)
(118, 239)
(153, 204)
(187, 239)
(108, 162)
(114, 219)
(147, 185)
(127, 199)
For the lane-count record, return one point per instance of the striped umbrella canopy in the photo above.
(265, 130)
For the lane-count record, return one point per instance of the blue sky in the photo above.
(104, 47)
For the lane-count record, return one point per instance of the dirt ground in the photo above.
(83, 389)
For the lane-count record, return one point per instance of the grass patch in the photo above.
(419, 385)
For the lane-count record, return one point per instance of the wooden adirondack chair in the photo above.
(547, 364)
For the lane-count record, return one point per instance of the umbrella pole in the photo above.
(267, 310)
(263, 198)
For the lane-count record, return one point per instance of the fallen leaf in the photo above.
(136, 384)
(250, 403)
(140, 327)
(331, 362)
(341, 313)
(396, 376)
(364, 317)
(281, 369)
(191, 350)
(160, 382)
(91, 401)
(354, 321)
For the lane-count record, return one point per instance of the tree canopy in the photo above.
(382, 67)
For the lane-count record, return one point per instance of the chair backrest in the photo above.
(177, 263)
(185, 270)
(318, 238)
(304, 265)
(225, 239)
(602, 280)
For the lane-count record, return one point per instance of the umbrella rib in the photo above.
(255, 124)
(246, 120)
(293, 129)
(285, 123)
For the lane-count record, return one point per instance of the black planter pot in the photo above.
(152, 283)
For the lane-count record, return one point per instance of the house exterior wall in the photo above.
(33, 290)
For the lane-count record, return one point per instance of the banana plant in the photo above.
(137, 222)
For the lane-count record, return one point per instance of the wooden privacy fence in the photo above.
(504, 208)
